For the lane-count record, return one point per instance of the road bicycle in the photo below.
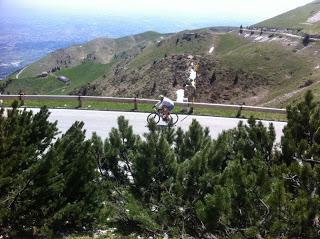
(158, 114)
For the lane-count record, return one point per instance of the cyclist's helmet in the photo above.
(161, 97)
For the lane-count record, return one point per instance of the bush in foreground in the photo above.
(168, 182)
(48, 186)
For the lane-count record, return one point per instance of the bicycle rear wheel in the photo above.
(173, 119)
(153, 116)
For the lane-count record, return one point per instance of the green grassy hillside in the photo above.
(265, 70)
(177, 44)
(83, 64)
(100, 51)
(79, 76)
(280, 69)
(296, 18)
(268, 59)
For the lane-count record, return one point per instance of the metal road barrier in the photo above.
(281, 33)
(135, 101)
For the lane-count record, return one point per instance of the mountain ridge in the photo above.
(298, 18)
(257, 68)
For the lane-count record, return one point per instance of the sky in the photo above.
(251, 10)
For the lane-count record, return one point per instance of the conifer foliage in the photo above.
(47, 187)
(182, 183)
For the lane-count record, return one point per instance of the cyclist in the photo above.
(166, 105)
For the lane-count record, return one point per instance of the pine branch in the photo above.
(99, 166)
(311, 161)
(307, 160)
(125, 157)
(267, 212)
(21, 191)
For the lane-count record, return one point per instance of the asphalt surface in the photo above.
(102, 122)
(17, 75)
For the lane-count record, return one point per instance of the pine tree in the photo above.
(236, 79)
(193, 141)
(301, 135)
(78, 202)
(24, 137)
(237, 179)
(154, 165)
(46, 188)
(278, 206)
(120, 150)
(181, 183)
(241, 29)
(139, 189)
(306, 39)
(213, 78)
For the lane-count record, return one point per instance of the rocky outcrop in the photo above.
(215, 82)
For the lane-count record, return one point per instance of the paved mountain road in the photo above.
(102, 122)
(17, 75)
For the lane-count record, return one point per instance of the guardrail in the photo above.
(136, 101)
(312, 38)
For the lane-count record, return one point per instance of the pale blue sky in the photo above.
(253, 10)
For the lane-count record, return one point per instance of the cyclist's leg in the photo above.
(165, 112)
(170, 108)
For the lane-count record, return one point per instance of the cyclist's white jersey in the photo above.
(166, 101)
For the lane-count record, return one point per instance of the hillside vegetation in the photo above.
(268, 69)
(264, 70)
(299, 18)
(241, 68)
(80, 75)
(168, 184)
(101, 50)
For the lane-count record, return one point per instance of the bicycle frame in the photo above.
(160, 113)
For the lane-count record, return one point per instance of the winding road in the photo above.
(17, 75)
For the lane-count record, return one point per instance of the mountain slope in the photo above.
(305, 18)
(101, 51)
(83, 64)
(270, 70)
(241, 69)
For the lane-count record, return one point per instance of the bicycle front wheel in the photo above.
(153, 117)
